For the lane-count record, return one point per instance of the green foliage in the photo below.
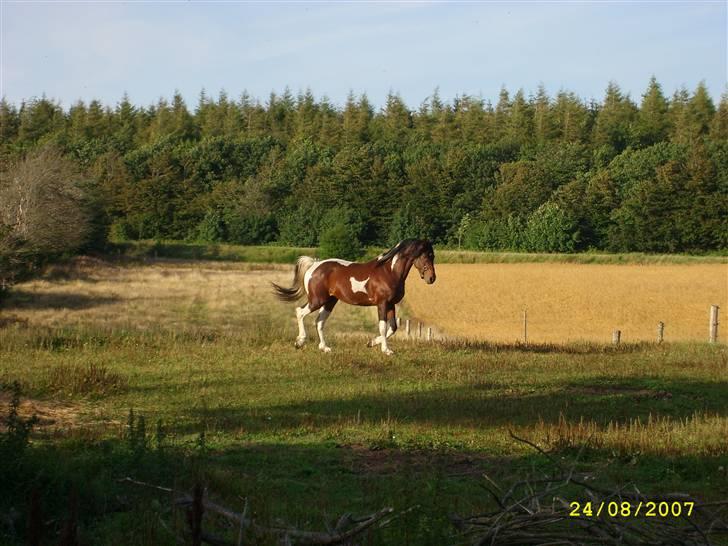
(550, 229)
(339, 237)
(211, 229)
(243, 172)
(300, 226)
(496, 234)
(14, 437)
(249, 229)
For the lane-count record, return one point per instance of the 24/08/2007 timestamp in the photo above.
(625, 509)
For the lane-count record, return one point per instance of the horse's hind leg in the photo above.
(301, 313)
(321, 321)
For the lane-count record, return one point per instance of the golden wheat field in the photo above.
(570, 302)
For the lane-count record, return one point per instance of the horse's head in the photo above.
(424, 260)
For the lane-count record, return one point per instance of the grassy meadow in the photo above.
(204, 353)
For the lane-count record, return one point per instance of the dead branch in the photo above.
(531, 512)
(339, 535)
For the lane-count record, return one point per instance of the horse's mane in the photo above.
(402, 245)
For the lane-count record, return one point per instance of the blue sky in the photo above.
(87, 50)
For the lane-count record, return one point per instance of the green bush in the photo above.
(550, 229)
(249, 229)
(211, 228)
(340, 235)
(497, 234)
(300, 226)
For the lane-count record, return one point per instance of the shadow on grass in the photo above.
(307, 486)
(482, 405)
(20, 299)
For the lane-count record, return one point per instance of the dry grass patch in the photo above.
(698, 435)
(50, 413)
(221, 298)
(570, 302)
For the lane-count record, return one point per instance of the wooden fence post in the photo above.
(399, 322)
(616, 337)
(660, 332)
(525, 326)
(429, 334)
(714, 323)
(407, 327)
(419, 330)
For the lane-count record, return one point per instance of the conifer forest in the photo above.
(529, 172)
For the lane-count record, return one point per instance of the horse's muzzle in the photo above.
(429, 277)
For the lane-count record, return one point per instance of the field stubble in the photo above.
(571, 302)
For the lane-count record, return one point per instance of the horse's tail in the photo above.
(297, 290)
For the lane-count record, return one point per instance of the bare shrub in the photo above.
(92, 379)
(42, 213)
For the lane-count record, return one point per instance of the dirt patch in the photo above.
(79, 267)
(637, 393)
(50, 414)
(383, 461)
(12, 320)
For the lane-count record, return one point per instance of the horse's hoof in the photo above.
(325, 349)
(388, 352)
(370, 343)
(299, 343)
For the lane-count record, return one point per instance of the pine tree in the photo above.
(719, 126)
(700, 111)
(570, 118)
(652, 122)
(96, 126)
(396, 120)
(502, 114)
(543, 129)
(306, 114)
(125, 125)
(162, 123)
(520, 124)
(614, 121)
(677, 113)
(183, 126)
(38, 118)
(76, 126)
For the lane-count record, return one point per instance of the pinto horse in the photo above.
(378, 282)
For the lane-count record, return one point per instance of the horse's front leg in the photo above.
(384, 312)
(391, 328)
(392, 322)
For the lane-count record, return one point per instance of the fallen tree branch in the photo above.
(337, 536)
(529, 512)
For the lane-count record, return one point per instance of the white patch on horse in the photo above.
(310, 270)
(359, 286)
(394, 260)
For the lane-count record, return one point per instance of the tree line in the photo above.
(532, 173)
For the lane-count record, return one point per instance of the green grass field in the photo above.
(205, 355)
(287, 255)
